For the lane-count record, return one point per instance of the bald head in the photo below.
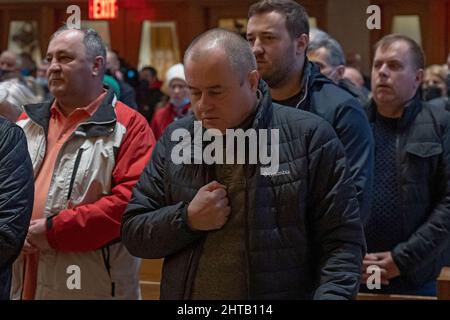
(354, 76)
(235, 47)
(9, 62)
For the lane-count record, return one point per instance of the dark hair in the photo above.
(297, 22)
(237, 49)
(150, 69)
(417, 55)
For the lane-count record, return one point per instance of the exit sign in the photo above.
(102, 9)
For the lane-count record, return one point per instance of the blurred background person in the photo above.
(148, 93)
(327, 53)
(354, 60)
(179, 100)
(434, 86)
(126, 92)
(434, 82)
(42, 81)
(13, 95)
(317, 35)
(354, 76)
(10, 70)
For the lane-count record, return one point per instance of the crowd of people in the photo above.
(88, 176)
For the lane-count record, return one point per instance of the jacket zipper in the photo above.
(305, 95)
(106, 261)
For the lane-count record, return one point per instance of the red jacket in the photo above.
(165, 116)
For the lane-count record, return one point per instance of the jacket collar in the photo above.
(264, 108)
(411, 109)
(99, 124)
(311, 77)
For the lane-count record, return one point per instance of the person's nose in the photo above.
(383, 71)
(53, 66)
(204, 104)
(177, 89)
(257, 47)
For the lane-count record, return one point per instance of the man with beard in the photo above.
(278, 33)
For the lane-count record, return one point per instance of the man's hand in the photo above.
(37, 234)
(385, 262)
(209, 210)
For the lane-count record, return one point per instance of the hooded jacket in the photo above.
(346, 115)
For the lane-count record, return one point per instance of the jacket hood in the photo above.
(311, 78)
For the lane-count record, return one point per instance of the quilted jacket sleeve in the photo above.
(334, 214)
(432, 238)
(16, 191)
(151, 227)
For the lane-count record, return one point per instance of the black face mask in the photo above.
(3, 73)
(431, 92)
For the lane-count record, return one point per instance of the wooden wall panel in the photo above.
(195, 16)
(434, 18)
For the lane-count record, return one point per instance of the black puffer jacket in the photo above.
(423, 166)
(16, 198)
(442, 102)
(304, 234)
(346, 115)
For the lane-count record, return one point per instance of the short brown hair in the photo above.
(417, 55)
(297, 22)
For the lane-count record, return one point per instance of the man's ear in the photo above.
(253, 79)
(340, 72)
(99, 65)
(419, 78)
(301, 44)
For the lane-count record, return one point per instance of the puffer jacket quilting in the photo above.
(314, 253)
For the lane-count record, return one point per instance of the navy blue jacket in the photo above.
(423, 167)
(347, 116)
